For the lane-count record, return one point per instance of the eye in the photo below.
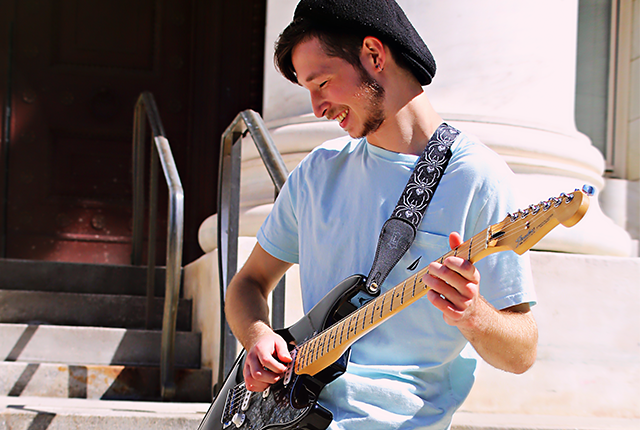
(323, 84)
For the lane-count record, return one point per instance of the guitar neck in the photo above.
(326, 347)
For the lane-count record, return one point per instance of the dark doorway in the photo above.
(71, 71)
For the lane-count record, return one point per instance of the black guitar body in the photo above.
(294, 405)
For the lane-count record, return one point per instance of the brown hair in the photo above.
(344, 45)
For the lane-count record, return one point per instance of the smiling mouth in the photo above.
(342, 116)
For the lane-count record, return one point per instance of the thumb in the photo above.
(282, 351)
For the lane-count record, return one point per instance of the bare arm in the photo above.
(247, 312)
(506, 339)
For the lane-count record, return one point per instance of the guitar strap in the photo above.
(399, 232)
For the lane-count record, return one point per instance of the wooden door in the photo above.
(74, 72)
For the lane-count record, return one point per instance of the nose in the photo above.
(319, 105)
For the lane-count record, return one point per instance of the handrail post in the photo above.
(228, 218)
(139, 129)
(228, 224)
(151, 245)
(146, 109)
(175, 239)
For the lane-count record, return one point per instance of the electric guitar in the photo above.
(320, 341)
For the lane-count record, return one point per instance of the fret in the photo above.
(307, 354)
(312, 349)
(355, 324)
(321, 341)
(349, 327)
(302, 357)
(415, 279)
(319, 346)
(301, 361)
(310, 352)
(364, 317)
(334, 335)
(373, 305)
(404, 287)
(327, 345)
(382, 305)
(298, 358)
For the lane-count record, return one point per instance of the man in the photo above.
(364, 66)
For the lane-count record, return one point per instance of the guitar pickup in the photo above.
(289, 372)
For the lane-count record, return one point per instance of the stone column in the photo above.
(506, 73)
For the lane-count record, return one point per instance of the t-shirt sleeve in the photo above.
(278, 235)
(505, 277)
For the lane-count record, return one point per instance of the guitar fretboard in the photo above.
(326, 347)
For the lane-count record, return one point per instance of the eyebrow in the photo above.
(312, 76)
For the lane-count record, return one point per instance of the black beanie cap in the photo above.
(383, 19)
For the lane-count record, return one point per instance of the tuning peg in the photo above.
(588, 190)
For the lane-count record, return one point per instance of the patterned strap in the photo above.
(399, 231)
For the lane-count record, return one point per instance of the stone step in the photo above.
(480, 421)
(94, 310)
(38, 413)
(99, 382)
(85, 278)
(93, 345)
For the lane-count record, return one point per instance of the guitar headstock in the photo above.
(521, 230)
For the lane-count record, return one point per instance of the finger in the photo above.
(282, 351)
(261, 374)
(446, 282)
(463, 267)
(275, 364)
(251, 383)
(449, 312)
(455, 240)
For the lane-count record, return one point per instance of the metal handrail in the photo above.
(146, 109)
(245, 122)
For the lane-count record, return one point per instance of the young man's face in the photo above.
(339, 90)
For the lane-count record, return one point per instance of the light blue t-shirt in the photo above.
(408, 372)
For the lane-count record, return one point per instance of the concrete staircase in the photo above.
(77, 331)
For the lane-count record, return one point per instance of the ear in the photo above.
(373, 54)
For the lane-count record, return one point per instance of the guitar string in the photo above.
(474, 249)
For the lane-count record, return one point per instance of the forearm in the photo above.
(247, 311)
(506, 339)
(246, 302)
